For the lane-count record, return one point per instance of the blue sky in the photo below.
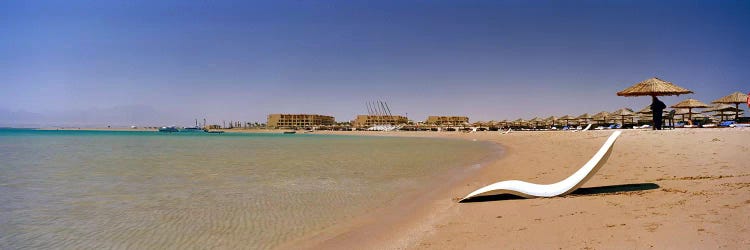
(141, 62)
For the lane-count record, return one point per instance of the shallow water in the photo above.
(149, 190)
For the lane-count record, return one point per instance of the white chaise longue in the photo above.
(567, 186)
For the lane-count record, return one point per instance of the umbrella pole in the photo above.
(737, 112)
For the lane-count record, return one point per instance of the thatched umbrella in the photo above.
(690, 104)
(723, 115)
(722, 107)
(721, 110)
(654, 87)
(623, 112)
(684, 111)
(734, 98)
(536, 121)
(567, 119)
(504, 122)
(519, 121)
(585, 117)
(551, 120)
(601, 116)
(647, 110)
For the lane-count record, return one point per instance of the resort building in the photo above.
(447, 120)
(363, 121)
(299, 120)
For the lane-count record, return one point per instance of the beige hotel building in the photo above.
(363, 121)
(299, 120)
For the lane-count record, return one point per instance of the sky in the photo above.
(124, 63)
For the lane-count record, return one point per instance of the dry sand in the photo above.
(684, 188)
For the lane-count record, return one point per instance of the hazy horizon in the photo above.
(76, 63)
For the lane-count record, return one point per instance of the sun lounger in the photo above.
(726, 123)
(587, 127)
(570, 184)
(584, 129)
(507, 131)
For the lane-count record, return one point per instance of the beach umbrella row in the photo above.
(735, 98)
(690, 104)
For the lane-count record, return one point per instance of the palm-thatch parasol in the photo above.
(585, 117)
(721, 110)
(690, 104)
(723, 115)
(567, 119)
(551, 120)
(519, 121)
(646, 111)
(654, 87)
(623, 112)
(504, 122)
(601, 116)
(722, 107)
(734, 98)
(684, 111)
(536, 121)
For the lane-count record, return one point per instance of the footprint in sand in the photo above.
(651, 227)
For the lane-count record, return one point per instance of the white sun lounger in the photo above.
(507, 131)
(584, 129)
(570, 184)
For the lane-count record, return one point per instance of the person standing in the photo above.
(657, 107)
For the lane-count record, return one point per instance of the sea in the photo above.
(78, 189)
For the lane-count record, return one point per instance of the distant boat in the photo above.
(215, 132)
(290, 132)
(169, 129)
(192, 129)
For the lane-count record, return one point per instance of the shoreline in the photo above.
(397, 224)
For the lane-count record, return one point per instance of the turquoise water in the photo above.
(150, 190)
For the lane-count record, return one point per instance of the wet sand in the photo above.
(684, 188)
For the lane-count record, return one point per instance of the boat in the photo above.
(192, 129)
(214, 131)
(195, 128)
(290, 132)
(169, 129)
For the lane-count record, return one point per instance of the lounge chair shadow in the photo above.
(579, 192)
(615, 189)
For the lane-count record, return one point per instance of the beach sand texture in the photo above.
(684, 188)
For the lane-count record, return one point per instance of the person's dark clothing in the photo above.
(657, 107)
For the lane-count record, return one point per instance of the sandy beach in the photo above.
(683, 188)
